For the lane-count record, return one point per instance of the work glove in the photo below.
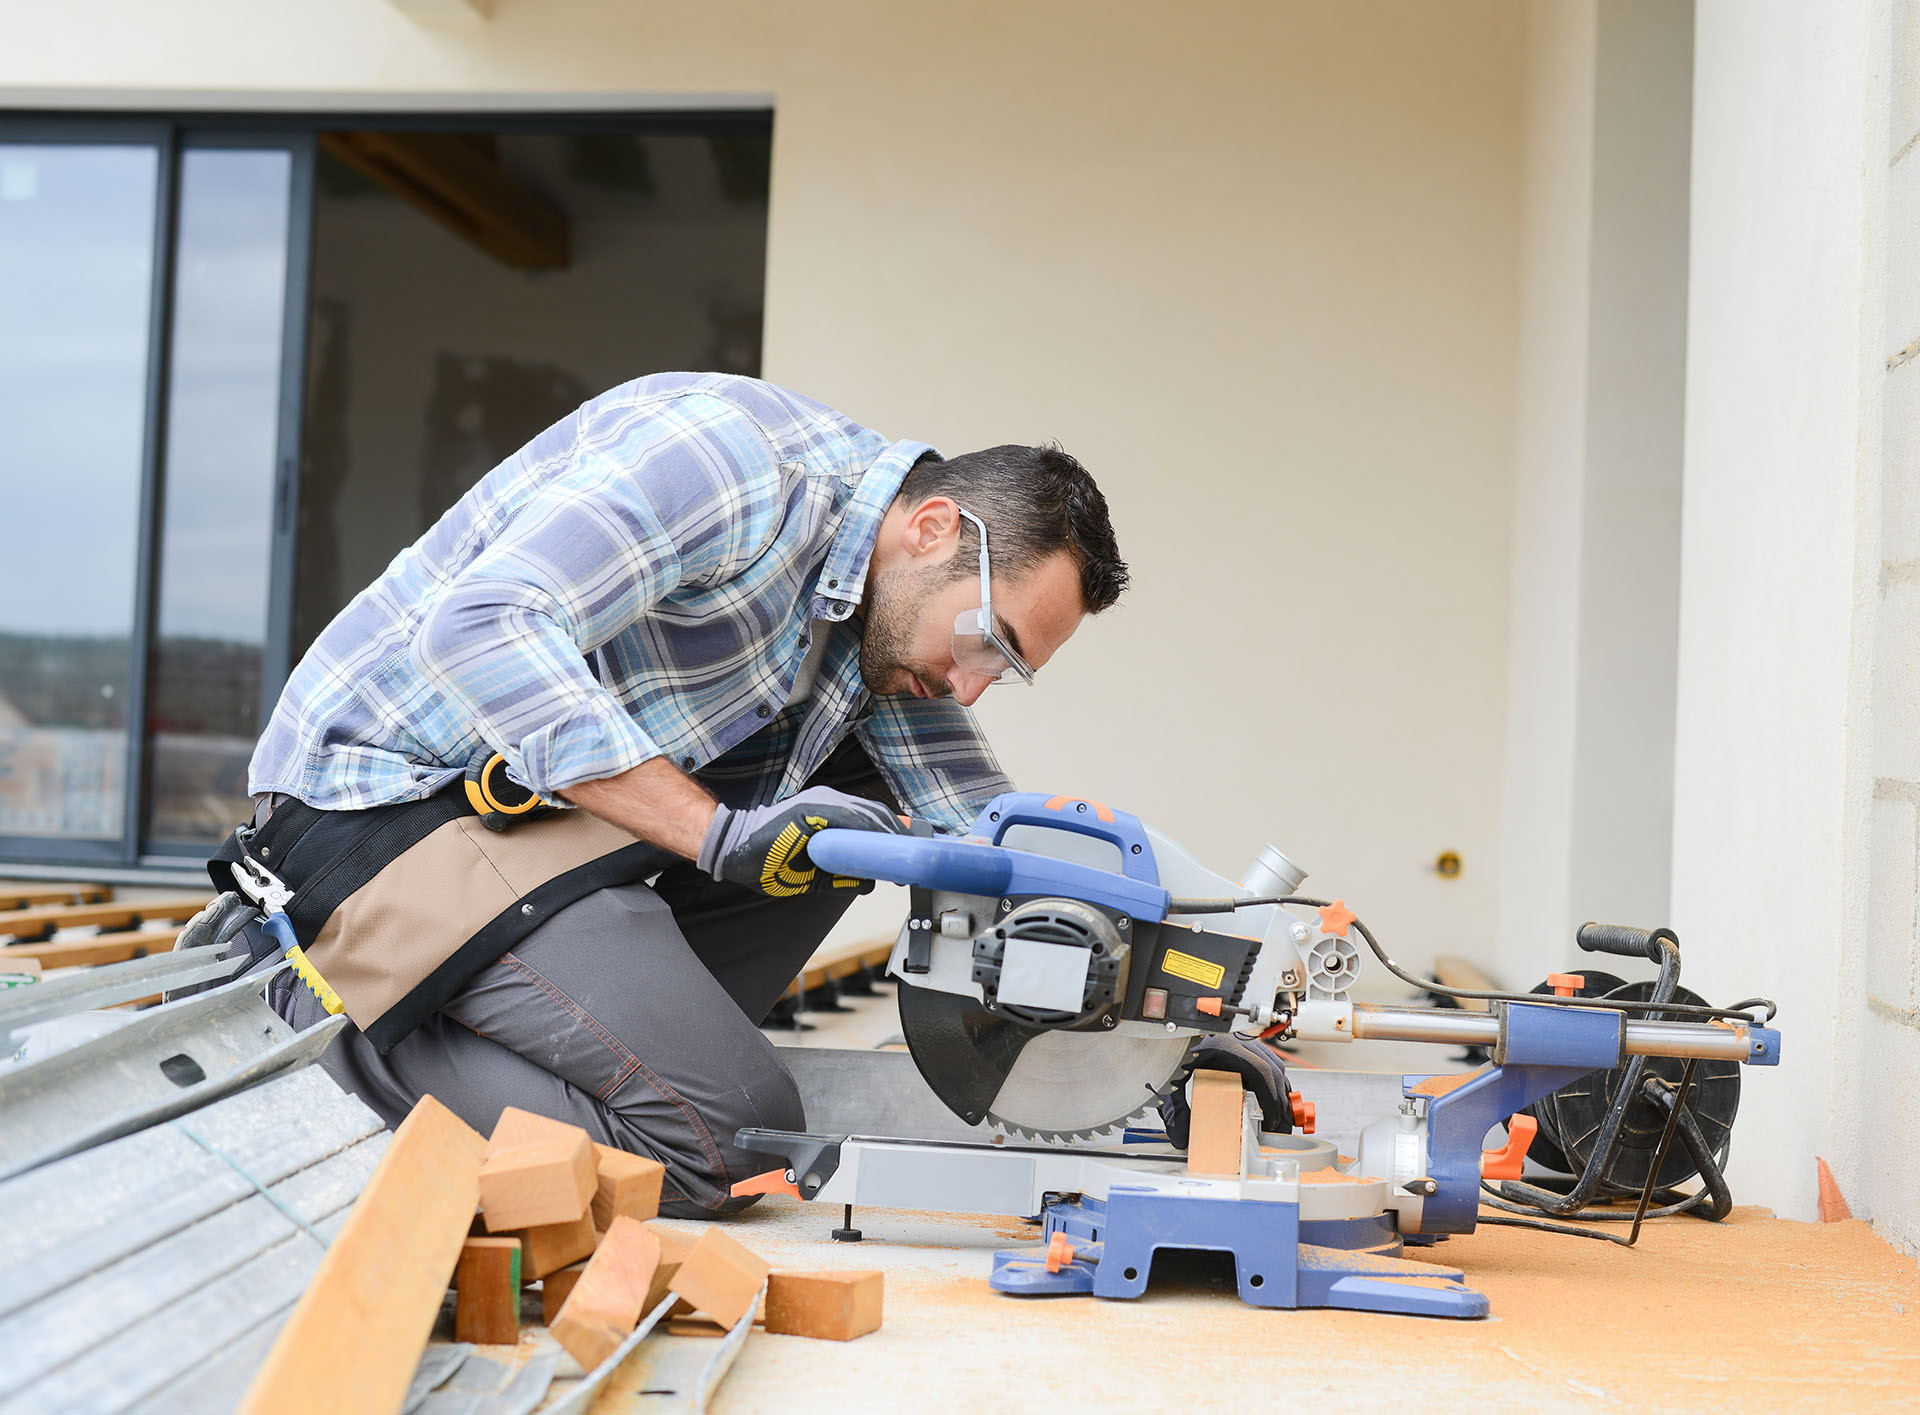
(219, 923)
(1261, 1070)
(765, 847)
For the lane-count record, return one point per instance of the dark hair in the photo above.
(1036, 502)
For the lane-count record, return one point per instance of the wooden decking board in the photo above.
(34, 924)
(33, 896)
(830, 966)
(93, 949)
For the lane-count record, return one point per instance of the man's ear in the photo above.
(932, 531)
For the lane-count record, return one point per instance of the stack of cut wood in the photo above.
(576, 1216)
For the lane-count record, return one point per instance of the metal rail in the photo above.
(1372, 1022)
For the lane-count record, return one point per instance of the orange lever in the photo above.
(1302, 1113)
(774, 1181)
(1505, 1162)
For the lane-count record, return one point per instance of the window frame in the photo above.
(171, 135)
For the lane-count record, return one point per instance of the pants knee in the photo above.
(706, 1162)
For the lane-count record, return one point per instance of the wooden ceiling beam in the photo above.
(457, 179)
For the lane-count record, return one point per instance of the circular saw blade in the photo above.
(1067, 1084)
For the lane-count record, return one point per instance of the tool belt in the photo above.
(399, 906)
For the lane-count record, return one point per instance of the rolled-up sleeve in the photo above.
(635, 513)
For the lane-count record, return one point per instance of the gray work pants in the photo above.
(634, 1014)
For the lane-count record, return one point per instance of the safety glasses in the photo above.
(977, 645)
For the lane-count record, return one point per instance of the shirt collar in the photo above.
(843, 579)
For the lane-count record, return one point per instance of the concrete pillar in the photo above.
(1593, 623)
(1781, 584)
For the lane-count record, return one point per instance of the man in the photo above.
(707, 617)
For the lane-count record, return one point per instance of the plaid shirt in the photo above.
(640, 580)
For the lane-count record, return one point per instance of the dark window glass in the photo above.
(469, 289)
(76, 275)
(210, 629)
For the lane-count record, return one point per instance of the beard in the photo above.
(886, 638)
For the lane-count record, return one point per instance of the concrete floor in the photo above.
(1753, 1313)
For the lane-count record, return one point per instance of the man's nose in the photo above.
(967, 687)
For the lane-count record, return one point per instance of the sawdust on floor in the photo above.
(1754, 1312)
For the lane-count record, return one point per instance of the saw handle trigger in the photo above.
(1625, 941)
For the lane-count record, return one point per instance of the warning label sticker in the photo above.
(1194, 970)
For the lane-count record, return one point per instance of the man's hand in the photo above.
(765, 847)
(1260, 1068)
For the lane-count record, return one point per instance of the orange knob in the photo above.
(1565, 984)
(1059, 1252)
(1505, 1162)
(1302, 1109)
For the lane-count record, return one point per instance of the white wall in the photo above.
(1252, 262)
(1775, 741)
(1594, 610)
(1883, 1019)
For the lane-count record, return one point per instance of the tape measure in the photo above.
(497, 798)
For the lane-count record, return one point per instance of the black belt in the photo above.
(325, 856)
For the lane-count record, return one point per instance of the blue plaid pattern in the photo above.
(640, 580)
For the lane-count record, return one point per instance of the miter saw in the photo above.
(1060, 965)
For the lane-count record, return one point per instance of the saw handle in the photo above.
(1626, 941)
(1122, 831)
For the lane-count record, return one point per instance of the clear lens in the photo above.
(979, 650)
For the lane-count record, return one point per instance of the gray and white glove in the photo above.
(765, 847)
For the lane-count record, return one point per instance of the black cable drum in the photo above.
(1575, 1113)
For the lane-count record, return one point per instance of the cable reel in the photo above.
(1576, 1112)
(1575, 1123)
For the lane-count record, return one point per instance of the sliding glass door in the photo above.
(148, 275)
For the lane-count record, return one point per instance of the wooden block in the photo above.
(547, 1182)
(720, 1277)
(548, 1247)
(523, 1127)
(607, 1300)
(21, 964)
(1213, 1141)
(836, 1306)
(488, 1310)
(626, 1185)
(554, 1288)
(675, 1243)
(694, 1326)
(356, 1334)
